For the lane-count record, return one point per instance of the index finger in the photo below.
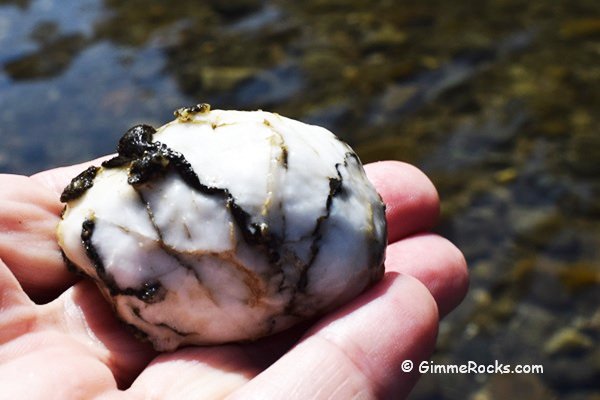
(29, 213)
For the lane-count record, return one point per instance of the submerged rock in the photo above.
(225, 226)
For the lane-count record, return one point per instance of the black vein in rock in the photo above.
(87, 230)
(71, 266)
(335, 189)
(284, 156)
(149, 292)
(79, 185)
(161, 242)
(136, 311)
(137, 332)
(150, 160)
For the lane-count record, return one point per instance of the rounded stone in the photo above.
(225, 226)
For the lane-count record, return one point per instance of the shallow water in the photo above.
(498, 102)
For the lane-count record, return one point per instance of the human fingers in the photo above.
(439, 265)
(436, 262)
(357, 351)
(81, 314)
(39, 357)
(413, 206)
(194, 373)
(28, 217)
(29, 214)
(46, 366)
(209, 372)
(412, 202)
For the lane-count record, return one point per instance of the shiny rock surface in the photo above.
(225, 226)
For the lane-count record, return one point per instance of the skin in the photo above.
(59, 338)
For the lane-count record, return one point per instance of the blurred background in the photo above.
(498, 101)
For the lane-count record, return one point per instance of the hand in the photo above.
(59, 338)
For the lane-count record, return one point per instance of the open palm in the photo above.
(60, 339)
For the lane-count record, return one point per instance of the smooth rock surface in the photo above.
(225, 226)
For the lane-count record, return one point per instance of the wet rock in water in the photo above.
(272, 86)
(224, 78)
(386, 37)
(568, 372)
(566, 341)
(330, 116)
(225, 226)
(580, 28)
(501, 387)
(583, 395)
(52, 59)
(583, 154)
(580, 276)
(235, 8)
(547, 290)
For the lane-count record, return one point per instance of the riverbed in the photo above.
(498, 101)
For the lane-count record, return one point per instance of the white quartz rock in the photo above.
(225, 226)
